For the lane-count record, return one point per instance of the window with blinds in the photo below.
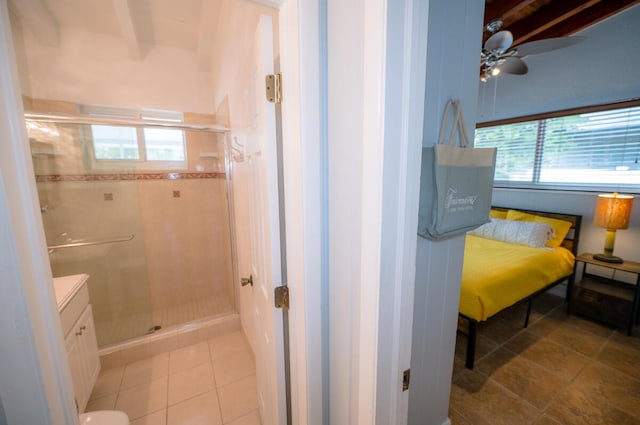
(589, 150)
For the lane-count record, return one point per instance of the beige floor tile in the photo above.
(500, 330)
(563, 361)
(622, 356)
(582, 341)
(228, 344)
(145, 370)
(108, 382)
(252, 418)
(632, 341)
(571, 370)
(155, 418)
(484, 346)
(548, 323)
(190, 382)
(458, 367)
(457, 419)
(528, 380)
(546, 420)
(103, 403)
(233, 367)
(143, 399)
(199, 410)
(577, 407)
(590, 326)
(612, 387)
(482, 401)
(238, 398)
(188, 357)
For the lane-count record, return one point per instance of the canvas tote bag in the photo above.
(456, 183)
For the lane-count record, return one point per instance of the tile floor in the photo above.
(562, 370)
(209, 383)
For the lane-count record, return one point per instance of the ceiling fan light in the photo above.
(495, 72)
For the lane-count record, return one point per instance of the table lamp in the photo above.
(612, 212)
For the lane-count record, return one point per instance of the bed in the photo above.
(501, 270)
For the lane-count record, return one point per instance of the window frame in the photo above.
(142, 163)
(537, 160)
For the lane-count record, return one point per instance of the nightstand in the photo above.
(606, 299)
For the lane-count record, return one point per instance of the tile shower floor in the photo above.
(132, 326)
(209, 383)
(561, 370)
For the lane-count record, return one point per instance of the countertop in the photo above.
(66, 287)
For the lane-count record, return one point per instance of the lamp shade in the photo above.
(613, 211)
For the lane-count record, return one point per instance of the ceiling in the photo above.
(193, 24)
(531, 20)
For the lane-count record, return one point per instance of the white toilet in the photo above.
(104, 417)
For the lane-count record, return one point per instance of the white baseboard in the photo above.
(447, 422)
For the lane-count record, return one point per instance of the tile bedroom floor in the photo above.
(209, 383)
(562, 370)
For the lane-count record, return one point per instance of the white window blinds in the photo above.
(596, 149)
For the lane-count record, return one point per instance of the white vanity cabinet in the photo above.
(79, 331)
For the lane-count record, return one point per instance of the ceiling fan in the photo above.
(499, 56)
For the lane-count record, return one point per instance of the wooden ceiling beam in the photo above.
(586, 18)
(546, 17)
(128, 28)
(504, 9)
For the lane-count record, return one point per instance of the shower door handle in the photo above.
(247, 281)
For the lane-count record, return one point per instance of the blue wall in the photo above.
(604, 68)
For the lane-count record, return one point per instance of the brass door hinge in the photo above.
(406, 378)
(273, 86)
(281, 296)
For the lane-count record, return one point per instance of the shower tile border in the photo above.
(126, 176)
(167, 340)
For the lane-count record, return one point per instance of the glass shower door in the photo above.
(145, 212)
(92, 225)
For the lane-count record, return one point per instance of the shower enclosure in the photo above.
(142, 206)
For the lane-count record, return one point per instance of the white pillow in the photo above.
(526, 233)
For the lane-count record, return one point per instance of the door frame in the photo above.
(33, 355)
(390, 177)
(304, 61)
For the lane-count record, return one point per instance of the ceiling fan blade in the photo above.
(499, 42)
(513, 66)
(546, 45)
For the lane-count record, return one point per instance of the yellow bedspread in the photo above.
(496, 275)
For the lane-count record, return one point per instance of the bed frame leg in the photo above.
(526, 319)
(471, 344)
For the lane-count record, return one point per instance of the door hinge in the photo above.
(273, 86)
(281, 296)
(406, 378)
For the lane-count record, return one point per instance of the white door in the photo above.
(256, 199)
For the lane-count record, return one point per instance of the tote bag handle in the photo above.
(456, 124)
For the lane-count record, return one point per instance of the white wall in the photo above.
(345, 185)
(90, 68)
(602, 69)
(453, 44)
(591, 237)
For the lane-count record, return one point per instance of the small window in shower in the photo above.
(115, 143)
(162, 144)
(140, 148)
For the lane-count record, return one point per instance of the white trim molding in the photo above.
(35, 382)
